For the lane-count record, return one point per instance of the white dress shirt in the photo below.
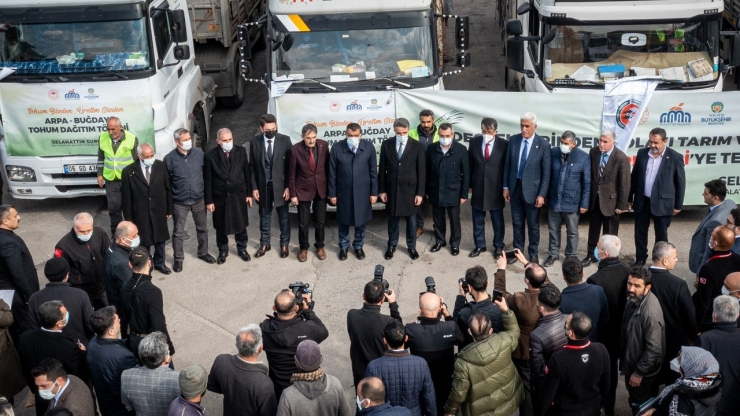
(489, 145)
(651, 172)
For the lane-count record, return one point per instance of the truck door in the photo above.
(167, 74)
(533, 50)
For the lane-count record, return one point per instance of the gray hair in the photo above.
(117, 120)
(401, 122)
(530, 117)
(153, 349)
(6, 409)
(249, 340)
(82, 218)
(609, 133)
(611, 244)
(221, 131)
(178, 133)
(568, 135)
(662, 249)
(140, 148)
(726, 308)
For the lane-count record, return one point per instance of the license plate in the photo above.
(80, 168)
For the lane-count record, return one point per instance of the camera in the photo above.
(464, 284)
(431, 286)
(378, 275)
(298, 289)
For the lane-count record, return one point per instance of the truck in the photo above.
(66, 66)
(560, 46)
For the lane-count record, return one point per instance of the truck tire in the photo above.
(198, 128)
(235, 101)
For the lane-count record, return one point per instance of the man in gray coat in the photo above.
(719, 209)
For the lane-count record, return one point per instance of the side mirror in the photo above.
(735, 58)
(515, 54)
(514, 27)
(179, 26)
(463, 59)
(524, 8)
(550, 36)
(462, 30)
(182, 52)
(245, 49)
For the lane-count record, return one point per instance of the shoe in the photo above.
(587, 261)
(389, 252)
(342, 255)
(497, 253)
(419, 232)
(163, 269)
(177, 267)
(437, 247)
(262, 250)
(476, 251)
(284, 252)
(638, 263)
(320, 253)
(413, 253)
(222, 257)
(244, 255)
(549, 261)
(534, 259)
(303, 255)
(455, 251)
(360, 254)
(206, 258)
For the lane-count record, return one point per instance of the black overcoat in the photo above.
(353, 179)
(487, 177)
(448, 174)
(227, 185)
(147, 204)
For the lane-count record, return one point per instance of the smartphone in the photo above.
(511, 254)
(497, 295)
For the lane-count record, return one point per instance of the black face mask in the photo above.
(270, 134)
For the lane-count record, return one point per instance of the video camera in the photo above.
(378, 276)
(299, 289)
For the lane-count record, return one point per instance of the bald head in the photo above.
(371, 389)
(285, 304)
(723, 237)
(480, 326)
(732, 283)
(429, 305)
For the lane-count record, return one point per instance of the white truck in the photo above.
(559, 46)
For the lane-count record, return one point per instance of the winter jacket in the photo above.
(643, 346)
(247, 389)
(12, 381)
(612, 277)
(485, 381)
(186, 173)
(723, 342)
(117, 272)
(324, 396)
(463, 310)
(570, 182)
(548, 337)
(182, 407)
(107, 359)
(407, 381)
(365, 328)
(86, 260)
(385, 409)
(141, 309)
(448, 175)
(690, 401)
(75, 301)
(589, 299)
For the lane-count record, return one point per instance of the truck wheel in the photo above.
(235, 101)
(198, 127)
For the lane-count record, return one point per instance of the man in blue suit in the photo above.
(569, 195)
(526, 182)
(658, 187)
(353, 187)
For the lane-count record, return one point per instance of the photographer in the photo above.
(281, 333)
(434, 340)
(365, 327)
(476, 281)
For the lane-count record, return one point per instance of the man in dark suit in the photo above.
(719, 210)
(268, 154)
(353, 187)
(657, 190)
(526, 182)
(17, 270)
(147, 202)
(610, 188)
(678, 310)
(226, 180)
(401, 182)
(309, 163)
(487, 154)
(448, 179)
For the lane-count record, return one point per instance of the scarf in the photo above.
(699, 368)
(312, 376)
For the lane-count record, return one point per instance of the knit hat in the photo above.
(308, 356)
(56, 269)
(193, 381)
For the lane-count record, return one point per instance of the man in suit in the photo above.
(426, 134)
(719, 210)
(226, 179)
(401, 182)
(147, 202)
(657, 190)
(526, 182)
(353, 187)
(67, 390)
(570, 188)
(610, 188)
(309, 163)
(487, 154)
(675, 301)
(448, 179)
(269, 152)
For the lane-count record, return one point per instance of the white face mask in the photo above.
(359, 402)
(84, 237)
(148, 162)
(186, 145)
(402, 139)
(487, 137)
(135, 242)
(675, 366)
(564, 149)
(47, 394)
(353, 141)
(227, 146)
(445, 141)
(725, 290)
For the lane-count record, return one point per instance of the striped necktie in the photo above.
(602, 165)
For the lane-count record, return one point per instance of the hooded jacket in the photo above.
(324, 396)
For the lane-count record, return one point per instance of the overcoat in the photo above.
(147, 204)
(353, 179)
(487, 177)
(448, 174)
(401, 178)
(280, 164)
(227, 187)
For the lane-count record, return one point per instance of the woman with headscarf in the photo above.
(696, 392)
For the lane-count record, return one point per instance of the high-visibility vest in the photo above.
(114, 162)
(414, 134)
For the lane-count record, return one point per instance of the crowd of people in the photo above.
(95, 339)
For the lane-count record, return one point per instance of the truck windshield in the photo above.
(677, 52)
(74, 39)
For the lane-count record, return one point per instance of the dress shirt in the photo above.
(143, 168)
(59, 393)
(653, 166)
(444, 151)
(715, 206)
(490, 149)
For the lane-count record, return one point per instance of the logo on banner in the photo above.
(353, 106)
(675, 117)
(373, 105)
(626, 112)
(71, 95)
(334, 106)
(91, 94)
(53, 94)
(716, 117)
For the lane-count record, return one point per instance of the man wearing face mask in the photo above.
(401, 182)
(352, 187)
(61, 389)
(84, 249)
(117, 268)
(712, 274)
(269, 155)
(227, 180)
(426, 134)
(185, 165)
(570, 189)
(117, 149)
(732, 286)
(147, 202)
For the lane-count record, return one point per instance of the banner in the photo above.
(62, 119)
(625, 101)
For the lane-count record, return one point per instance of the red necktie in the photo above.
(311, 160)
(488, 153)
(227, 155)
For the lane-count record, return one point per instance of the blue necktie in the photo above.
(522, 160)
(602, 165)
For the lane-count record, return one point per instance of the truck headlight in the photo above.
(20, 174)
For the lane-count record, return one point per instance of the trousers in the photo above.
(198, 209)
(265, 212)
(113, 194)
(410, 231)
(440, 224)
(319, 219)
(555, 222)
(598, 225)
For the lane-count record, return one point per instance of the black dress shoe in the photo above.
(476, 251)
(534, 259)
(389, 252)
(222, 257)
(455, 251)
(262, 250)
(549, 261)
(360, 254)
(587, 261)
(639, 263)
(413, 253)
(497, 253)
(437, 247)
(244, 255)
(206, 258)
(342, 255)
(177, 267)
(163, 269)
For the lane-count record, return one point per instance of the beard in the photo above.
(636, 298)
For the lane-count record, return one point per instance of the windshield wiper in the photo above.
(42, 76)
(403, 84)
(117, 74)
(318, 82)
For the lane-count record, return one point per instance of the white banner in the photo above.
(625, 101)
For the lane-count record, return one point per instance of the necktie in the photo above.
(400, 150)
(311, 160)
(354, 150)
(227, 154)
(602, 164)
(147, 174)
(269, 150)
(487, 155)
(522, 160)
